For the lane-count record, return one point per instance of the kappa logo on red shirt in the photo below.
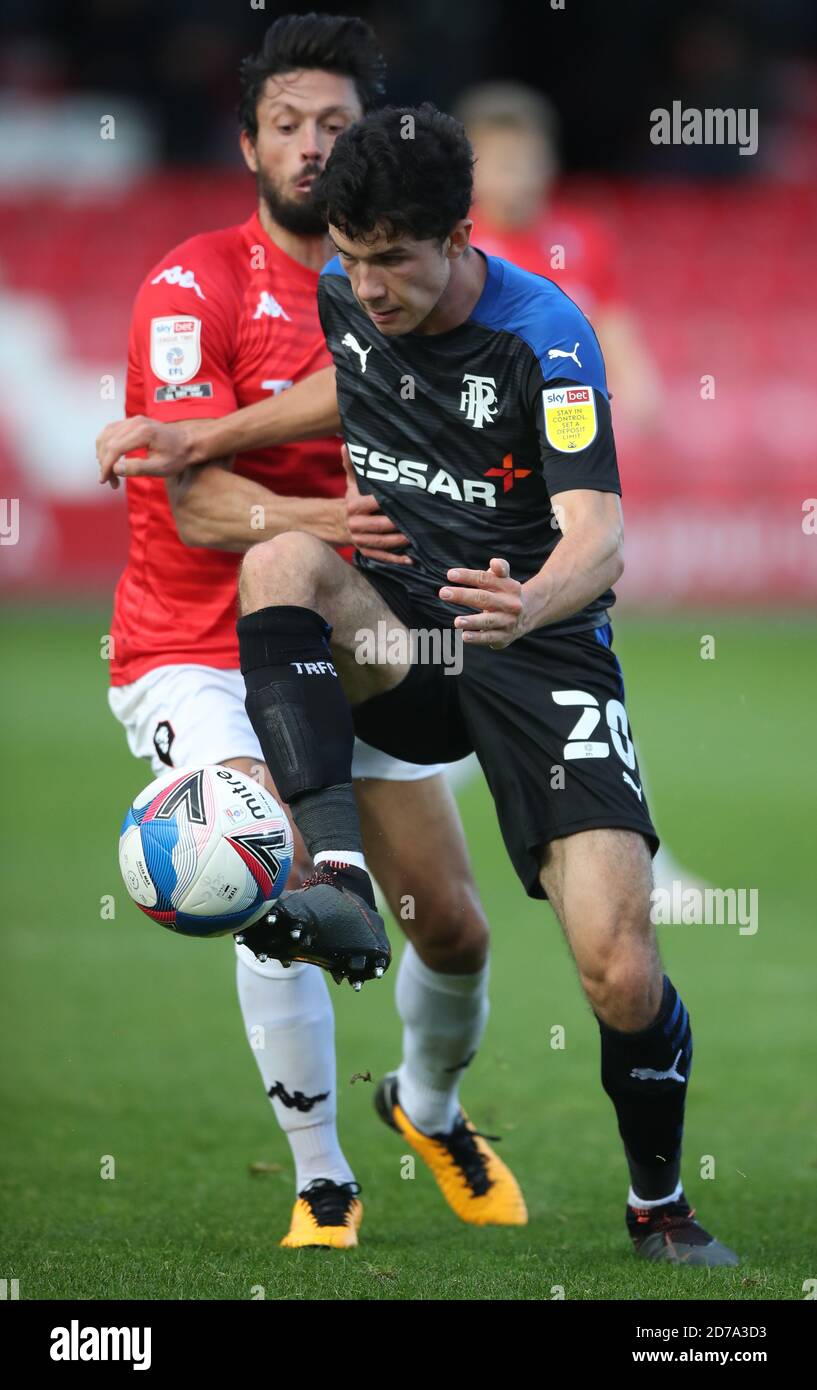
(268, 304)
(185, 279)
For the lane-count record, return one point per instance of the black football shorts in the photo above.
(545, 717)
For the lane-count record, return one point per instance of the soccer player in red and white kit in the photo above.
(221, 322)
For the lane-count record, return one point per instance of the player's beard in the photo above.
(302, 217)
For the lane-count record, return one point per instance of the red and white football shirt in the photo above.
(221, 322)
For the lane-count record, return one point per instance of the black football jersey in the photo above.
(464, 437)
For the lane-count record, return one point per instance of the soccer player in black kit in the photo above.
(473, 402)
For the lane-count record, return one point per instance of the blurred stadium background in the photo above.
(712, 255)
(713, 251)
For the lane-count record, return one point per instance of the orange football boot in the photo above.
(476, 1184)
(326, 1213)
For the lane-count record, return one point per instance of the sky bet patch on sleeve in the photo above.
(175, 348)
(194, 390)
(570, 417)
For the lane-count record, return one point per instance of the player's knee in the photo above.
(618, 977)
(451, 932)
(255, 580)
(284, 569)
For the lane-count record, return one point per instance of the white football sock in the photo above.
(634, 1201)
(352, 857)
(444, 1018)
(290, 1027)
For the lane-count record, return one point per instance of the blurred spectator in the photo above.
(513, 131)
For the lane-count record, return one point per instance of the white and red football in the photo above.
(205, 851)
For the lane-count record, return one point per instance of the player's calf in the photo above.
(451, 932)
(439, 909)
(445, 922)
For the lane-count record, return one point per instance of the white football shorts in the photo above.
(189, 716)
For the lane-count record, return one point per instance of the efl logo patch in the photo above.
(570, 417)
(195, 391)
(175, 348)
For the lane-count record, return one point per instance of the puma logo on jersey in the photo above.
(647, 1073)
(630, 783)
(268, 304)
(185, 279)
(557, 352)
(349, 340)
(296, 1101)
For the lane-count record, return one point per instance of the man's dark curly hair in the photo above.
(402, 170)
(329, 42)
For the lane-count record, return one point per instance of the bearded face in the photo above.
(292, 205)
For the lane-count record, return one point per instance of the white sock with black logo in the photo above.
(290, 1027)
(444, 1018)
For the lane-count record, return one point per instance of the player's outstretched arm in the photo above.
(221, 510)
(585, 563)
(308, 410)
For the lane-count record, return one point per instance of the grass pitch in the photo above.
(121, 1040)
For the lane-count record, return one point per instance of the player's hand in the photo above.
(167, 449)
(373, 534)
(500, 602)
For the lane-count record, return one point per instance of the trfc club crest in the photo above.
(478, 400)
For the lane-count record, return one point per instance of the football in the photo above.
(205, 851)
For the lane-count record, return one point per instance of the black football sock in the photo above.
(297, 707)
(645, 1074)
